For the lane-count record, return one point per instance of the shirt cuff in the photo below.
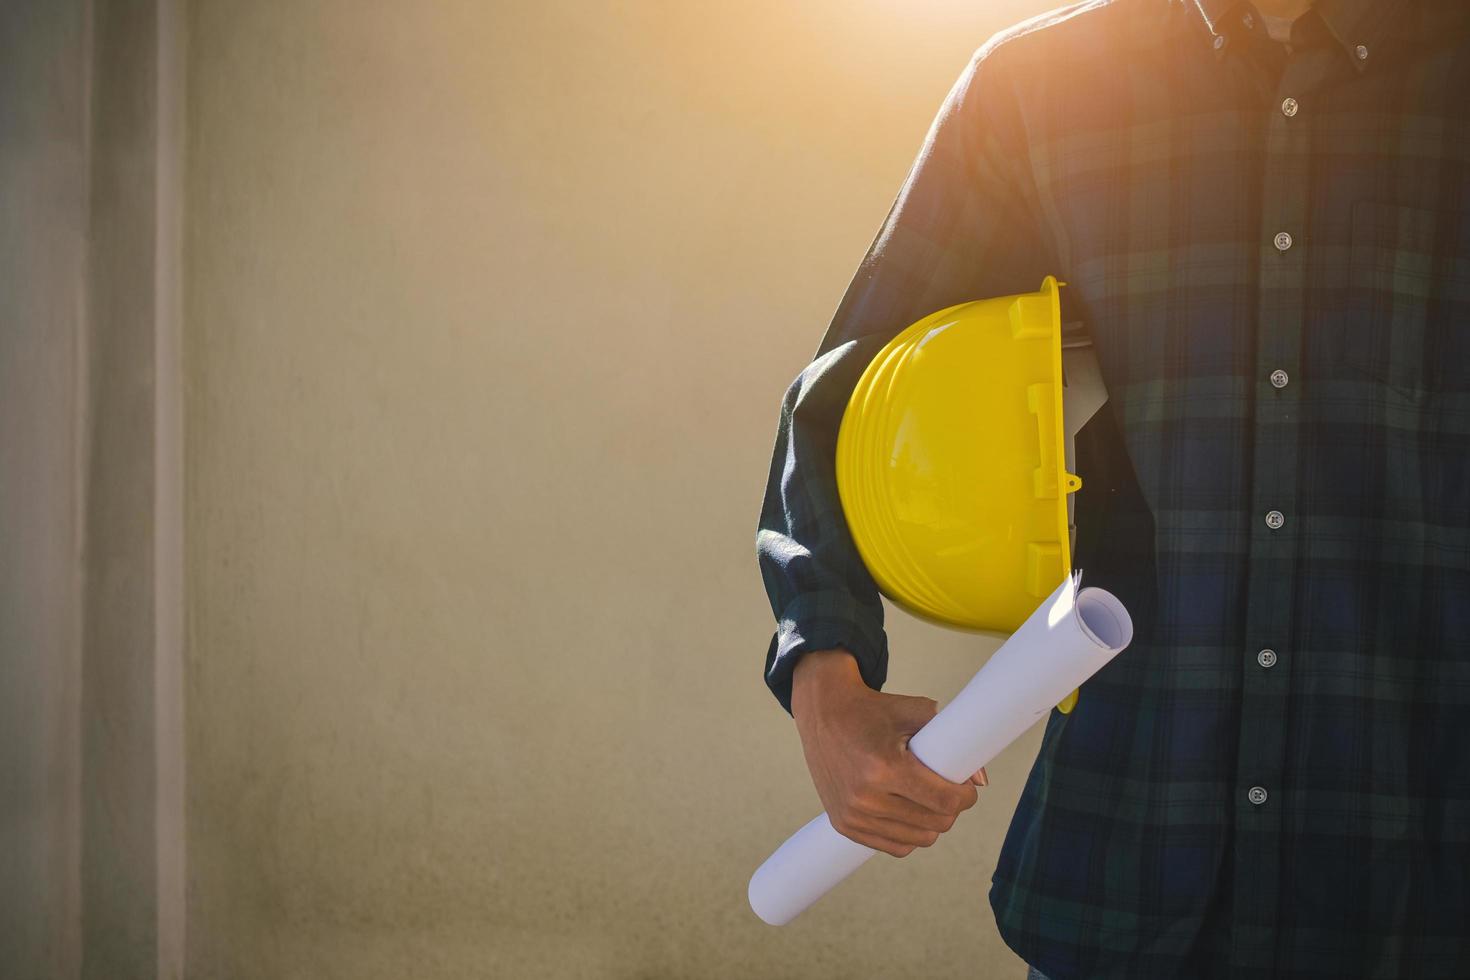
(824, 621)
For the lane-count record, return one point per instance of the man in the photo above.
(1262, 213)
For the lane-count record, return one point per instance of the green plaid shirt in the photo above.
(1270, 249)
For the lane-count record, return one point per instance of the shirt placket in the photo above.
(1274, 522)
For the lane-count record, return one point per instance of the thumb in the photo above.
(911, 714)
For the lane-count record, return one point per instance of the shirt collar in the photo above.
(1357, 25)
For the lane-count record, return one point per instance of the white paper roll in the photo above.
(1068, 639)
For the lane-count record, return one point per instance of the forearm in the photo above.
(963, 226)
(816, 675)
(820, 591)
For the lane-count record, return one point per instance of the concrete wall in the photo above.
(124, 899)
(90, 589)
(489, 310)
(43, 244)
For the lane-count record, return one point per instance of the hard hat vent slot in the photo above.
(1041, 400)
(1030, 317)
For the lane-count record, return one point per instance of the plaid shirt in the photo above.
(1270, 249)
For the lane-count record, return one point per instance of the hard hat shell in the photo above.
(951, 463)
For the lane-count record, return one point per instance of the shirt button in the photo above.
(1283, 240)
(1279, 378)
(1362, 52)
(1266, 658)
(1289, 107)
(1248, 21)
(1257, 795)
(1220, 42)
(1275, 519)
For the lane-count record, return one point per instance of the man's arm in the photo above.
(965, 225)
(856, 745)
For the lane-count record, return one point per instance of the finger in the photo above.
(890, 807)
(889, 847)
(980, 778)
(878, 843)
(927, 788)
(860, 833)
(895, 832)
(911, 714)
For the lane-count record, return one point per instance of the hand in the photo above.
(855, 740)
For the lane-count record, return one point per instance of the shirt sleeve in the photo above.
(965, 225)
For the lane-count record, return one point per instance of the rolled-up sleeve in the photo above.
(965, 225)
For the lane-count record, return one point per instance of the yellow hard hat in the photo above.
(951, 463)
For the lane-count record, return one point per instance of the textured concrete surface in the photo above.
(119, 776)
(78, 831)
(43, 245)
(489, 311)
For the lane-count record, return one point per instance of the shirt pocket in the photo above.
(1409, 297)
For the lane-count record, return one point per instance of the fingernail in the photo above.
(984, 779)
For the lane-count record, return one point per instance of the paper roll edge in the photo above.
(1104, 619)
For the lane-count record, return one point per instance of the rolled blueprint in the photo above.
(1065, 641)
